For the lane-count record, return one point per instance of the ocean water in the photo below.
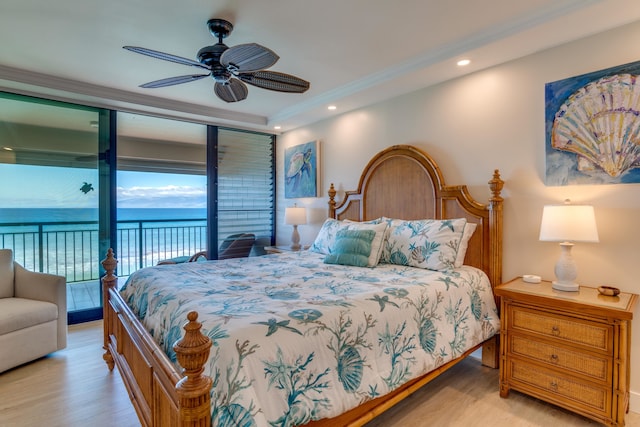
(40, 215)
(69, 238)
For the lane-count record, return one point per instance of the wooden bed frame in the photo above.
(399, 182)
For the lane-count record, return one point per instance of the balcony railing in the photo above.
(71, 249)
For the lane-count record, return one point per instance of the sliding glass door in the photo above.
(49, 200)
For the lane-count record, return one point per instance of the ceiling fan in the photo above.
(230, 67)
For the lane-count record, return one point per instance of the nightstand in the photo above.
(279, 249)
(571, 349)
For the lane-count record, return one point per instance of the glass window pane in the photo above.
(49, 209)
(161, 191)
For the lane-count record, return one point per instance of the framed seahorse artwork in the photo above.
(301, 170)
(593, 127)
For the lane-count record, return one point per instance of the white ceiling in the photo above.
(354, 52)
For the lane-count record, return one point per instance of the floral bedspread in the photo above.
(296, 340)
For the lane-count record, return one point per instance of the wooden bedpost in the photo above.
(109, 281)
(495, 220)
(491, 348)
(193, 389)
(332, 201)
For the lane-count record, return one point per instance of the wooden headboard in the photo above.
(404, 182)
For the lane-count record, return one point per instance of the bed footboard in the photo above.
(160, 395)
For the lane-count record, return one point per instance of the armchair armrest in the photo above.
(44, 287)
(40, 286)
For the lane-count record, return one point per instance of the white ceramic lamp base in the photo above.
(295, 239)
(566, 271)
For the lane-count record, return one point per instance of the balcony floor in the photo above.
(85, 295)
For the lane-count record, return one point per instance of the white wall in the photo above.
(487, 120)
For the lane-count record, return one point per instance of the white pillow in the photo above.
(469, 228)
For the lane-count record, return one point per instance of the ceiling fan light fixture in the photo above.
(220, 74)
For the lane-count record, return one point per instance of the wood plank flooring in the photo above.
(73, 387)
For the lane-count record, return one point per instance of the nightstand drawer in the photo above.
(563, 389)
(597, 336)
(595, 367)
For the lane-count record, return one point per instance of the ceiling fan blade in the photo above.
(165, 56)
(232, 91)
(273, 80)
(248, 57)
(174, 81)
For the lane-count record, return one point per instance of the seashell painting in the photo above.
(593, 128)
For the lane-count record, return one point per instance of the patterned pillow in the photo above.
(430, 243)
(371, 221)
(469, 229)
(326, 236)
(326, 239)
(391, 225)
(352, 247)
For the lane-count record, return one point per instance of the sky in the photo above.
(56, 187)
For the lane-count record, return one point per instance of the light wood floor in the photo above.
(73, 387)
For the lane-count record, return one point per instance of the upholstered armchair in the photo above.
(33, 313)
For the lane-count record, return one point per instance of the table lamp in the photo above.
(567, 224)
(295, 216)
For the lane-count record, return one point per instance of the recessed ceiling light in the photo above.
(464, 62)
(277, 127)
(331, 107)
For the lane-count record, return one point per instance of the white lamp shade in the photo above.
(295, 216)
(568, 223)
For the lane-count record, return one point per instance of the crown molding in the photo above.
(107, 97)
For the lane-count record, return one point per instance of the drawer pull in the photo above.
(554, 385)
(555, 331)
(554, 358)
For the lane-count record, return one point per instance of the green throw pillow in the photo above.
(352, 247)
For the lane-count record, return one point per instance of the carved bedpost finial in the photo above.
(193, 389)
(109, 264)
(332, 201)
(496, 185)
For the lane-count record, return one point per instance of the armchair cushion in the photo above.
(6, 273)
(21, 313)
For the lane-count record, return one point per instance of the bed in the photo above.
(327, 343)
